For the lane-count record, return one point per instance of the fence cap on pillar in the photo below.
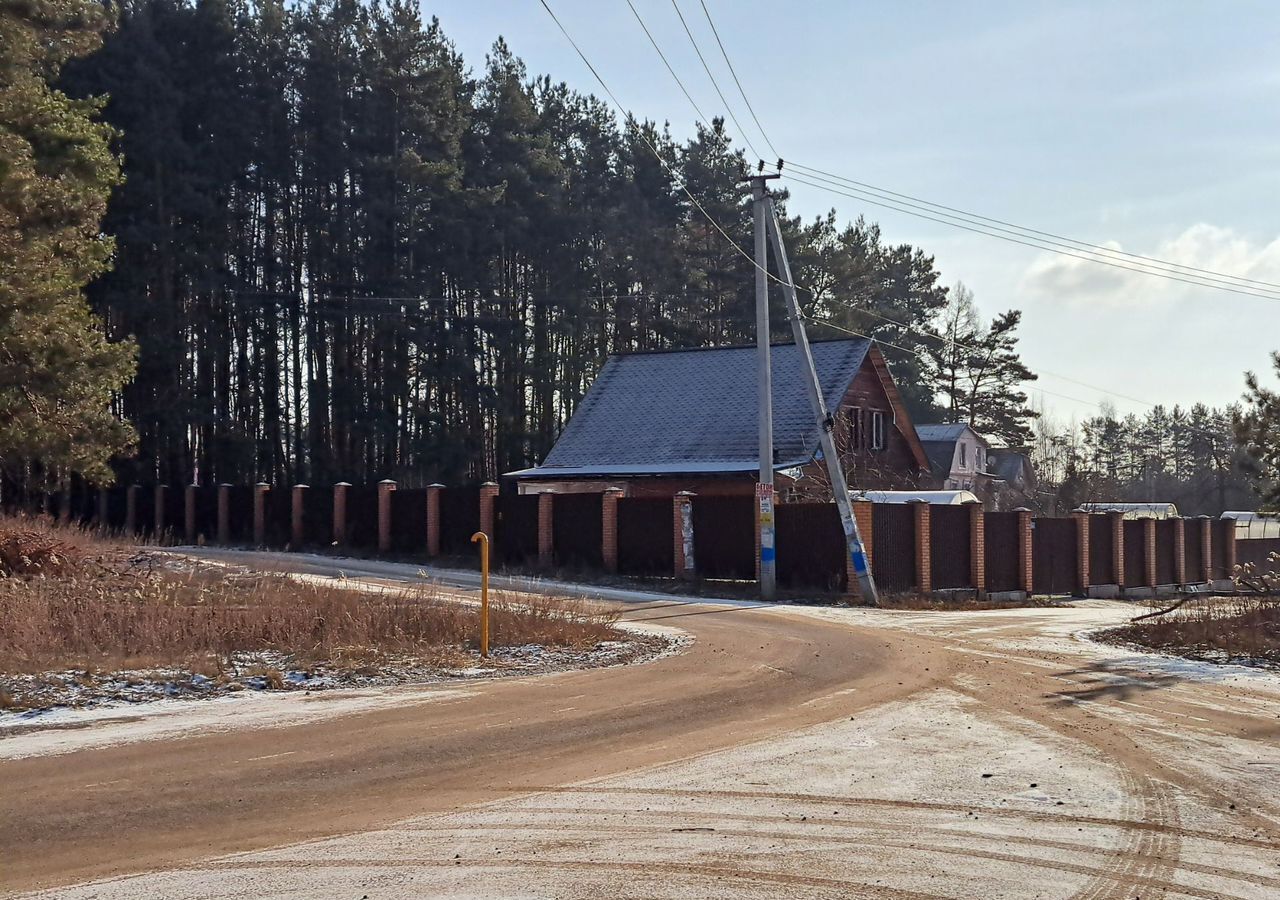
(1023, 509)
(296, 486)
(342, 484)
(1204, 517)
(614, 490)
(489, 484)
(686, 494)
(387, 481)
(223, 484)
(262, 484)
(435, 484)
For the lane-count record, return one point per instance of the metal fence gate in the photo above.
(949, 537)
(1053, 556)
(893, 547)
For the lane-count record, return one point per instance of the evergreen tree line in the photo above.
(345, 254)
(1189, 457)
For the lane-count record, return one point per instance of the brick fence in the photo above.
(912, 548)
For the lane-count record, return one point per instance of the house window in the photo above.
(977, 459)
(964, 455)
(877, 430)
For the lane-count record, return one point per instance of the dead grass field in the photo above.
(1220, 629)
(71, 602)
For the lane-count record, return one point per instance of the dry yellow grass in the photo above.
(101, 608)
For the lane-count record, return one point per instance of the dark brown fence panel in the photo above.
(1135, 553)
(646, 531)
(811, 546)
(362, 515)
(1166, 551)
(1194, 550)
(206, 509)
(1223, 531)
(145, 523)
(516, 528)
(240, 509)
(117, 509)
(175, 513)
(577, 529)
(279, 516)
(317, 516)
(1258, 551)
(1001, 553)
(409, 520)
(724, 537)
(1053, 556)
(893, 547)
(1102, 568)
(459, 519)
(949, 546)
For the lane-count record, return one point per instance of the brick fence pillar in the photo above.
(488, 498)
(1026, 563)
(1116, 521)
(1149, 551)
(260, 513)
(978, 547)
(682, 534)
(1180, 550)
(609, 524)
(1206, 549)
(385, 488)
(340, 512)
(189, 513)
(546, 530)
(924, 547)
(861, 515)
(224, 514)
(297, 516)
(433, 519)
(1227, 534)
(131, 509)
(1082, 551)
(161, 492)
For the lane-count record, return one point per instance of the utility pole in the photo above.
(764, 391)
(822, 416)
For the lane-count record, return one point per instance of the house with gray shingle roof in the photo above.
(654, 423)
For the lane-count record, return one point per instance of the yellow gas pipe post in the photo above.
(483, 540)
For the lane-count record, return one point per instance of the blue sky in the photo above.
(1152, 127)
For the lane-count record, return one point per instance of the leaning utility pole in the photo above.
(764, 393)
(822, 416)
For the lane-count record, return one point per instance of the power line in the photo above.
(663, 162)
(1093, 248)
(755, 264)
(706, 68)
(701, 115)
(734, 73)
(1029, 242)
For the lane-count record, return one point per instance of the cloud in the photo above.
(1068, 279)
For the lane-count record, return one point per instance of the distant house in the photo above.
(660, 422)
(957, 457)
(1016, 483)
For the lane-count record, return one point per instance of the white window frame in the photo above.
(877, 430)
(964, 456)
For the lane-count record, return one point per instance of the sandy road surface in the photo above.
(787, 752)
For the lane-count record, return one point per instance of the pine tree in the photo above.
(58, 372)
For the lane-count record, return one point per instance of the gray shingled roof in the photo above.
(689, 411)
(947, 432)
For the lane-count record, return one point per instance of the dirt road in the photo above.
(787, 751)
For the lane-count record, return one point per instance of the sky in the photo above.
(1148, 127)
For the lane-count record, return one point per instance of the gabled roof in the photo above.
(687, 411)
(948, 432)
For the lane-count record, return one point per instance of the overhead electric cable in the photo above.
(1029, 242)
(1085, 245)
(734, 73)
(706, 68)
(701, 115)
